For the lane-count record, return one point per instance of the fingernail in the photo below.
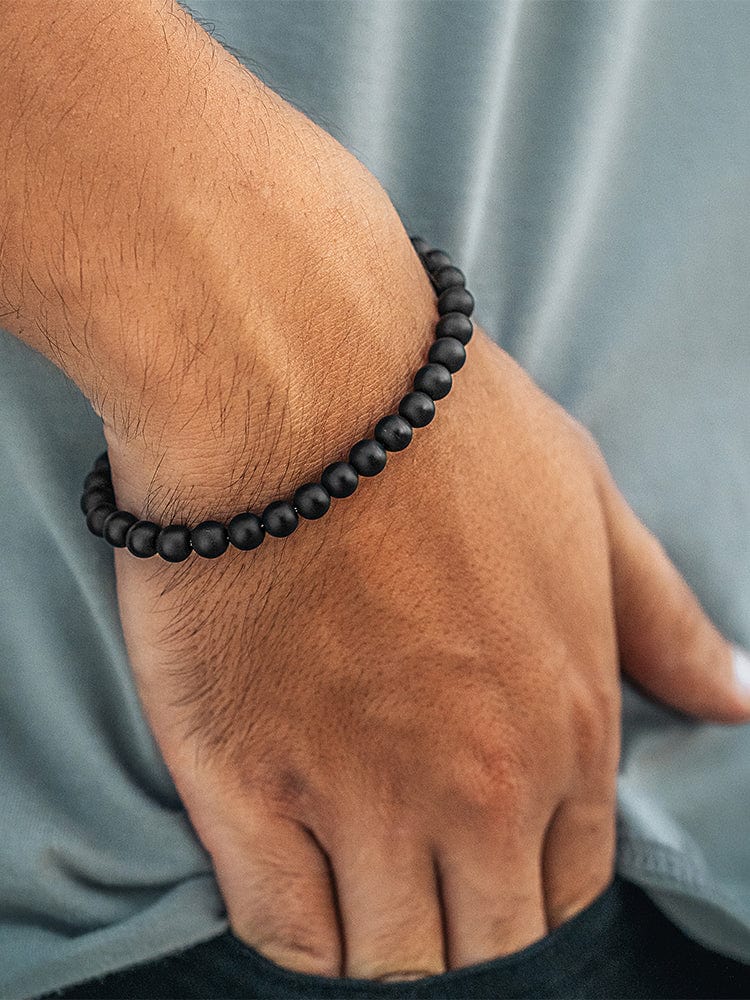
(399, 977)
(742, 668)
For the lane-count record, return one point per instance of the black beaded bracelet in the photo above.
(175, 542)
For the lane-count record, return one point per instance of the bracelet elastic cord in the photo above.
(175, 542)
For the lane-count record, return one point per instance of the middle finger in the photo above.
(387, 894)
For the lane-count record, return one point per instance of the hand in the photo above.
(397, 731)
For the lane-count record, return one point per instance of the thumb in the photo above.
(667, 644)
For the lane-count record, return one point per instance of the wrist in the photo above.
(255, 417)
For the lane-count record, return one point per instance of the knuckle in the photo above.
(596, 724)
(488, 776)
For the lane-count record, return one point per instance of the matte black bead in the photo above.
(458, 300)
(393, 432)
(455, 324)
(312, 500)
(368, 457)
(340, 479)
(280, 518)
(102, 462)
(434, 380)
(96, 497)
(97, 516)
(116, 527)
(98, 479)
(448, 277)
(141, 539)
(418, 408)
(246, 531)
(449, 352)
(209, 539)
(173, 543)
(421, 246)
(436, 260)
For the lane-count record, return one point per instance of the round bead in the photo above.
(448, 277)
(173, 543)
(340, 479)
(96, 497)
(434, 380)
(141, 539)
(209, 539)
(312, 500)
(458, 300)
(280, 518)
(393, 432)
(97, 516)
(102, 462)
(246, 531)
(436, 260)
(418, 408)
(368, 457)
(98, 479)
(449, 352)
(421, 246)
(116, 527)
(455, 324)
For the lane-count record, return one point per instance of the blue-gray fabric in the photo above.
(588, 164)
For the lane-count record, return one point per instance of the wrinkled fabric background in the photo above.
(588, 166)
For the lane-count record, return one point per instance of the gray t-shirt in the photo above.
(589, 166)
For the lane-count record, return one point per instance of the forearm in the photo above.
(101, 116)
(167, 221)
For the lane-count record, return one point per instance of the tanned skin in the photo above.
(397, 731)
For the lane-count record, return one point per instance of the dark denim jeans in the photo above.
(620, 946)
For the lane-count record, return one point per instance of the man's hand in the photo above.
(395, 731)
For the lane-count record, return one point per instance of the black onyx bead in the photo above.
(97, 516)
(102, 462)
(116, 527)
(98, 479)
(209, 539)
(455, 324)
(458, 300)
(393, 432)
(448, 277)
(449, 352)
(340, 479)
(421, 246)
(245, 531)
(436, 260)
(418, 408)
(312, 500)
(368, 457)
(434, 380)
(141, 539)
(280, 518)
(173, 543)
(96, 497)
